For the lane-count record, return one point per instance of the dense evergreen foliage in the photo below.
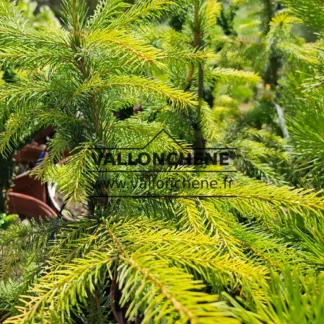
(243, 74)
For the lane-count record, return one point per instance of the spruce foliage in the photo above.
(255, 253)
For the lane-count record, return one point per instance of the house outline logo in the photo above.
(156, 136)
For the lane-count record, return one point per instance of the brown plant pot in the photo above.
(28, 207)
(29, 153)
(28, 197)
(28, 185)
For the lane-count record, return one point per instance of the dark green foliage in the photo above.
(263, 113)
